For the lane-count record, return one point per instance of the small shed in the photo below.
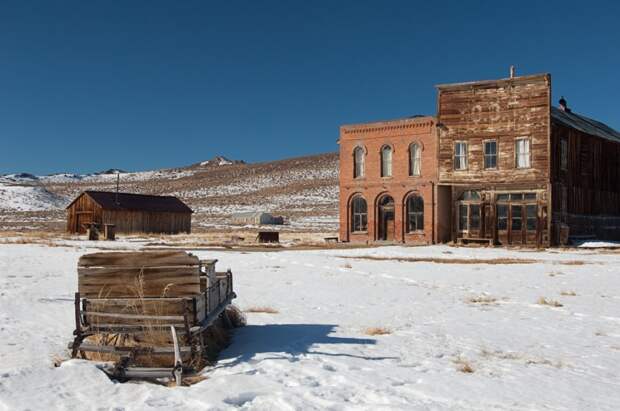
(129, 213)
(256, 218)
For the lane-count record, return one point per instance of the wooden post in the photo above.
(78, 326)
(109, 231)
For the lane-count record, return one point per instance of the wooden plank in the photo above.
(159, 306)
(146, 272)
(135, 316)
(124, 291)
(125, 350)
(138, 259)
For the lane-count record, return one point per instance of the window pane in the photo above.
(358, 158)
(516, 217)
(415, 159)
(460, 156)
(531, 211)
(522, 150)
(386, 162)
(502, 217)
(502, 197)
(474, 217)
(530, 196)
(516, 196)
(359, 215)
(420, 221)
(462, 217)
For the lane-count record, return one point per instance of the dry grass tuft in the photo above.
(482, 299)
(262, 309)
(464, 366)
(58, 359)
(568, 293)
(549, 302)
(236, 316)
(377, 331)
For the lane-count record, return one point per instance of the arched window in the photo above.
(358, 162)
(359, 214)
(415, 213)
(415, 159)
(386, 161)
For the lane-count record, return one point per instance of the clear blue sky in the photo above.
(87, 85)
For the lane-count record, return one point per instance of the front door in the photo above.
(517, 219)
(386, 219)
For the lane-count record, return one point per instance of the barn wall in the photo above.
(148, 222)
(82, 211)
(586, 194)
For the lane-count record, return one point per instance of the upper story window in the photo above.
(522, 153)
(460, 155)
(490, 154)
(563, 154)
(358, 162)
(415, 160)
(386, 161)
(359, 214)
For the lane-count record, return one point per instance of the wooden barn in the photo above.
(129, 213)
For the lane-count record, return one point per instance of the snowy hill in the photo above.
(304, 190)
(28, 198)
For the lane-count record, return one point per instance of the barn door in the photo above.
(83, 219)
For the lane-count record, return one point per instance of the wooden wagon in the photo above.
(148, 311)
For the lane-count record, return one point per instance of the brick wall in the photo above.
(399, 134)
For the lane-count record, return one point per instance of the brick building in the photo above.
(388, 172)
(498, 164)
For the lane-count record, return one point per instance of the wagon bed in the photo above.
(148, 311)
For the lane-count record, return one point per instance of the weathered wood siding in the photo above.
(82, 211)
(148, 222)
(586, 194)
(502, 110)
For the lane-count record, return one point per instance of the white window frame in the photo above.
(485, 155)
(523, 156)
(357, 163)
(387, 164)
(415, 160)
(463, 156)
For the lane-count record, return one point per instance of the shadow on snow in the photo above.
(288, 342)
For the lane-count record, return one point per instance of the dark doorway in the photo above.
(386, 218)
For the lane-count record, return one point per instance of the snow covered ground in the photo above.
(447, 310)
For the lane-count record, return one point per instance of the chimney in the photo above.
(512, 71)
(563, 105)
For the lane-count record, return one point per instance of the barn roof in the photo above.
(108, 200)
(585, 124)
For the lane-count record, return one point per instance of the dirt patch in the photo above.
(490, 261)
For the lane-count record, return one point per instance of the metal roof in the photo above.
(249, 214)
(110, 200)
(585, 124)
